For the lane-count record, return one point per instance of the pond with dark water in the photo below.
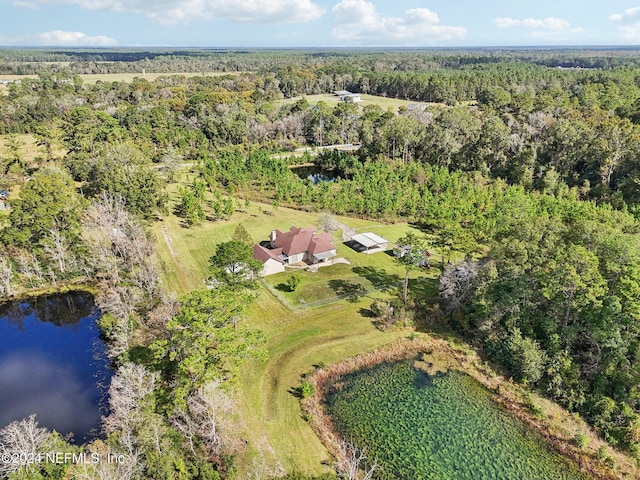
(437, 428)
(53, 364)
(315, 174)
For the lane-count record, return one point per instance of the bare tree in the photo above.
(327, 222)
(129, 387)
(56, 247)
(456, 285)
(6, 274)
(119, 302)
(162, 313)
(21, 439)
(100, 225)
(170, 163)
(261, 470)
(119, 244)
(352, 464)
(111, 466)
(210, 417)
(29, 266)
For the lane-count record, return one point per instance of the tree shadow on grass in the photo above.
(379, 277)
(351, 291)
(295, 391)
(366, 313)
(424, 293)
(283, 287)
(423, 289)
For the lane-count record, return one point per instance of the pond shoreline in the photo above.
(56, 364)
(440, 355)
(48, 289)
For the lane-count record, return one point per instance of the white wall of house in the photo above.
(296, 258)
(271, 266)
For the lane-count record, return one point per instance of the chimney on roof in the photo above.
(272, 238)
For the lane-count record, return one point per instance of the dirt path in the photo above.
(169, 241)
(347, 232)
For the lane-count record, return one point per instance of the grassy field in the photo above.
(332, 100)
(27, 147)
(296, 341)
(116, 77)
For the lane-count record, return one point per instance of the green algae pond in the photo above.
(444, 427)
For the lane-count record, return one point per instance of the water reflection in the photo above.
(315, 174)
(53, 364)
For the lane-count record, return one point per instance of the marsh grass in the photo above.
(555, 430)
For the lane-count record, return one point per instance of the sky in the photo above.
(318, 23)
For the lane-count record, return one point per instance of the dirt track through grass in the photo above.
(296, 340)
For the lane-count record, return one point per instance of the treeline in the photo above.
(556, 301)
(544, 129)
(533, 179)
(166, 60)
(557, 298)
(540, 128)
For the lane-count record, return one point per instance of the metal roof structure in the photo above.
(369, 239)
(323, 255)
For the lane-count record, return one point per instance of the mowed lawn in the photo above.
(367, 274)
(296, 340)
(383, 102)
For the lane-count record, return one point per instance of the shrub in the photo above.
(581, 440)
(602, 453)
(292, 282)
(305, 389)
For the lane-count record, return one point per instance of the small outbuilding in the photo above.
(369, 242)
(347, 96)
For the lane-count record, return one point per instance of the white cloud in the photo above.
(176, 11)
(630, 15)
(358, 21)
(60, 38)
(25, 4)
(629, 28)
(549, 23)
(551, 28)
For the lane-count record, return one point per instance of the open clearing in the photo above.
(120, 77)
(27, 148)
(296, 341)
(383, 102)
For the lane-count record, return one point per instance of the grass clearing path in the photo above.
(296, 343)
(296, 340)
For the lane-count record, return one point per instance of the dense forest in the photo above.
(523, 174)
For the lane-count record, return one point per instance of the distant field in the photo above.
(120, 77)
(383, 102)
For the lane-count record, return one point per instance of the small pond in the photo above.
(315, 174)
(53, 364)
(442, 427)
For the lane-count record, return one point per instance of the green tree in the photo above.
(292, 282)
(123, 170)
(203, 343)
(527, 359)
(572, 281)
(410, 253)
(240, 234)
(234, 265)
(190, 207)
(49, 201)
